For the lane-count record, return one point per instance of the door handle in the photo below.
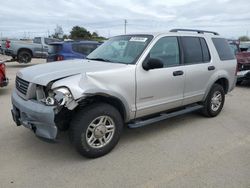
(178, 73)
(211, 68)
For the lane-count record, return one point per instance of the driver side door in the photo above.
(161, 89)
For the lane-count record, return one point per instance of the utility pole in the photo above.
(125, 26)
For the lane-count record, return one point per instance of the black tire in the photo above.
(81, 122)
(239, 82)
(208, 109)
(24, 56)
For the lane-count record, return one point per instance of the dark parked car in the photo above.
(3, 80)
(71, 50)
(243, 61)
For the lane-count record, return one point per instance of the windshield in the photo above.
(121, 49)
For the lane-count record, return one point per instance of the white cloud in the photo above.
(31, 17)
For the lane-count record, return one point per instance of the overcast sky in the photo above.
(24, 18)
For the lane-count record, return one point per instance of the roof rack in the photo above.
(194, 30)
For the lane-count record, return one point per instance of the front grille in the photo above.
(22, 85)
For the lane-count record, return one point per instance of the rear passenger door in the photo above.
(198, 68)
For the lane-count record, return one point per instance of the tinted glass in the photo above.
(55, 48)
(84, 49)
(167, 50)
(192, 50)
(223, 49)
(121, 49)
(233, 48)
(205, 50)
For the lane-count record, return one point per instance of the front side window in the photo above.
(121, 49)
(166, 50)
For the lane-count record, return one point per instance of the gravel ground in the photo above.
(186, 151)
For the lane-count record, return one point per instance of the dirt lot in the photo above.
(187, 151)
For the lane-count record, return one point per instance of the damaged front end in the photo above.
(42, 109)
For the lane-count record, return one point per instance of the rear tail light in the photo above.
(59, 58)
(2, 66)
(7, 44)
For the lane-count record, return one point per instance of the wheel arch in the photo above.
(118, 103)
(25, 49)
(223, 81)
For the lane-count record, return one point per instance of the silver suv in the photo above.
(132, 80)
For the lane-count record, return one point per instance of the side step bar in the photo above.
(164, 116)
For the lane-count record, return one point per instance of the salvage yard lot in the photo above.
(186, 151)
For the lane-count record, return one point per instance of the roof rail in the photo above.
(194, 30)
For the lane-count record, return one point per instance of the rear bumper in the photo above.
(243, 75)
(35, 116)
(4, 82)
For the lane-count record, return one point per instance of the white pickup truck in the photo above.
(24, 51)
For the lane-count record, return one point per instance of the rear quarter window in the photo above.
(223, 49)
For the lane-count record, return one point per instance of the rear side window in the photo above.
(84, 49)
(55, 48)
(205, 51)
(37, 40)
(195, 50)
(223, 49)
(50, 40)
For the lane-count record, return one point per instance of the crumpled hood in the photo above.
(45, 73)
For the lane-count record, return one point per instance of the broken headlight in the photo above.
(59, 96)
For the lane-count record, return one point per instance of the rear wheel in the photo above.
(239, 82)
(214, 101)
(24, 56)
(96, 129)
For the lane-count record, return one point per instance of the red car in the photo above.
(243, 61)
(3, 80)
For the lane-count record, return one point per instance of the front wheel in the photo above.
(214, 101)
(96, 129)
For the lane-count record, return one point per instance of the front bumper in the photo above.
(4, 82)
(35, 116)
(243, 75)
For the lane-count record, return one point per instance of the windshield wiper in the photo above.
(99, 59)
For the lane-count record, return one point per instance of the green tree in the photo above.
(80, 33)
(95, 35)
(244, 38)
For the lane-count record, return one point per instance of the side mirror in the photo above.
(152, 63)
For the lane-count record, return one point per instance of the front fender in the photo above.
(83, 86)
